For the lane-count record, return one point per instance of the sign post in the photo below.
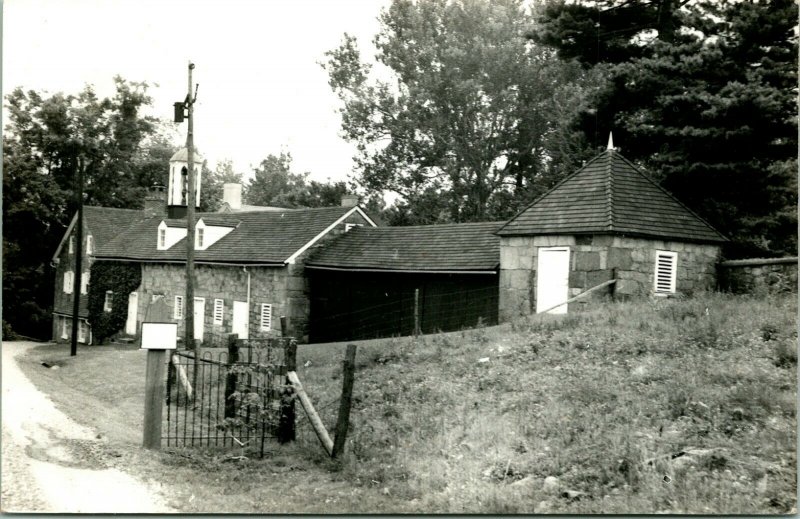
(159, 334)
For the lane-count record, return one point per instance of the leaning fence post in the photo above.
(286, 431)
(231, 378)
(343, 422)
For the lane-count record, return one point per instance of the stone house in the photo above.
(100, 225)
(606, 221)
(249, 265)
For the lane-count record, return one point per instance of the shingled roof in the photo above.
(609, 195)
(465, 247)
(264, 238)
(103, 223)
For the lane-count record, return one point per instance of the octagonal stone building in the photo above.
(608, 220)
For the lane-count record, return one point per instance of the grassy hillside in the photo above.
(682, 406)
(686, 406)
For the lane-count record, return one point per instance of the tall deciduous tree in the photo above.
(274, 184)
(704, 94)
(469, 125)
(43, 141)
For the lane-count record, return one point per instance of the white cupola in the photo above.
(178, 186)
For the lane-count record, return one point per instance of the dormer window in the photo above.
(162, 238)
(200, 233)
(209, 230)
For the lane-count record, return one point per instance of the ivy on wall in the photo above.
(121, 279)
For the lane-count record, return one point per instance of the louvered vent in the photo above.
(219, 306)
(266, 317)
(666, 267)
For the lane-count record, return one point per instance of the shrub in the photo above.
(121, 279)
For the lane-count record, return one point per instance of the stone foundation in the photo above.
(595, 259)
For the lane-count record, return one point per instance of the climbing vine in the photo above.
(121, 279)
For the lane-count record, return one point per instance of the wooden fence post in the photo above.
(153, 398)
(343, 421)
(231, 378)
(416, 312)
(286, 431)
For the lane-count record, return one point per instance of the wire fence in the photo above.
(401, 314)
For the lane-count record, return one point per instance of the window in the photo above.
(69, 279)
(71, 244)
(66, 323)
(349, 226)
(82, 329)
(107, 302)
(178, 311)
(89, 244)
(665, 272)
(266, 317)
(200, 233)
(162, 238)
(219, 310)
(85, 283)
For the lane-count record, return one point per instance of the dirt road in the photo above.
(50, 463)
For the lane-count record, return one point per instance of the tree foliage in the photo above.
(703, 94)
(469, 126)
(46, 138)
(274, 184)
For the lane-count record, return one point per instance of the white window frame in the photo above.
(265, 317)
(219, 311)
(660, 287)
(65, 327)
(108, 301)
(177, 312)
(89, 244)
(201, 234)
(82, 329)
(85, 283)
(69, 282)
(349, 226)
(162, 239)
(72, 244)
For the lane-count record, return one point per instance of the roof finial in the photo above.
(610, 141)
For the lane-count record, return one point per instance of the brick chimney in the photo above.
(232, 195)
(155, 202)
(349, 200)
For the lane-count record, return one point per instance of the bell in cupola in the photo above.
(178, 186)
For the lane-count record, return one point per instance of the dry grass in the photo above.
(605, 401)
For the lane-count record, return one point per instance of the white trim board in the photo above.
(291, 259)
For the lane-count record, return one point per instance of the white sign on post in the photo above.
(159, 336)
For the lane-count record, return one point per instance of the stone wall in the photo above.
(598, 258)
(759, 276)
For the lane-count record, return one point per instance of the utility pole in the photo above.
(190, 200)
(76, 285)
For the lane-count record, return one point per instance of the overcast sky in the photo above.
(261, 88)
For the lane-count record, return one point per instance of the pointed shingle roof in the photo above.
(609, 195)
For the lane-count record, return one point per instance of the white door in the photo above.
(240, 319)
(552, 279)
(199, 317)
(133, 304)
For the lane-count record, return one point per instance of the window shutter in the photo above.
(66, 282)
(64, 328)
(219, 307)
(89, 244)
(85, 283)
(266, 317)
(81, 331)
(665, 272)
(71, 244)
(178, 307)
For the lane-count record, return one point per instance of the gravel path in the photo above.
(50, 463)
